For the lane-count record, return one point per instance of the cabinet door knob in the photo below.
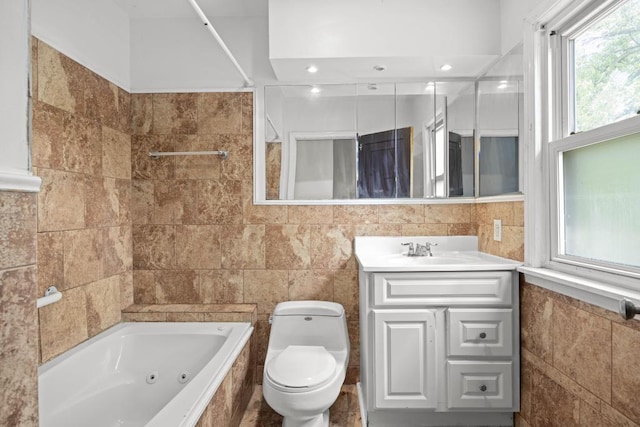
(483, 387)
(483, 335)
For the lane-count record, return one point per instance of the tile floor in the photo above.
(344, 413)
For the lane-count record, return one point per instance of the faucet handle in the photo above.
(429, 244)
(411, 248)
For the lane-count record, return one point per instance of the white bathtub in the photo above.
(139, 374)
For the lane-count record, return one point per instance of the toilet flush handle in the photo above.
(270, 319)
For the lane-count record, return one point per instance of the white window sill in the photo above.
(596, 293)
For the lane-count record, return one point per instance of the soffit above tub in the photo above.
(361, 69)
(448, 88)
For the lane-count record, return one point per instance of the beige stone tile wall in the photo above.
(81, 149)
(512, 216)
(18, 315)
(198, 237)
(580, 363)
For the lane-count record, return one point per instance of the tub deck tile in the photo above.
(191, 312)
(193, 308)
(144, 317)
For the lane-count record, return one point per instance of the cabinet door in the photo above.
(405, 359)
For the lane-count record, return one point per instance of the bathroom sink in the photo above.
(450, 253)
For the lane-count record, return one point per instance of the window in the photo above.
(599, 203)
(604, 58)
(594, 142)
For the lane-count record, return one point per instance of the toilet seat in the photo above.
(301, 368)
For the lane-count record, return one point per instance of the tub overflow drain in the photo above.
(152, 377)
(183, 377)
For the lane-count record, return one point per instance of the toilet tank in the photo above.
(320, 323)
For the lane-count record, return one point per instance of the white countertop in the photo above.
(452, 253)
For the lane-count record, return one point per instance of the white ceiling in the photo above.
(149, 9)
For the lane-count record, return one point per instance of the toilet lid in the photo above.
(300, 366)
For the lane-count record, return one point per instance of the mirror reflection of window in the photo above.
(415, 109)
(461, 111)
(440, 160)
(498, 165)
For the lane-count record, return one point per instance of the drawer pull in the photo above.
(483, 335)
(483, 387)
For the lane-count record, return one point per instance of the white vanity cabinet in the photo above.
(439, 346)
(405, 355)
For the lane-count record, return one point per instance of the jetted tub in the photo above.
(139, 374)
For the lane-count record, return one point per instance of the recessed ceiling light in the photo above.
(315, 89)
(446, 67)
(312, 69)
(379, 67)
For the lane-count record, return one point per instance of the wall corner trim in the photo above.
(19, 180)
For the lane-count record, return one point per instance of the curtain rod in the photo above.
(247, 81)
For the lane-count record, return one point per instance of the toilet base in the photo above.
(320, 420)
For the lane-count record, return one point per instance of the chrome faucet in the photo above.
(418, 249)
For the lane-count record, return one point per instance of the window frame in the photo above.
(549, 122)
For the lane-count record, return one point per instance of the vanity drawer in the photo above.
(480, 332)
(475, 288)
(479, 384)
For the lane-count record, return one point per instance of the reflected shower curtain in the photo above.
(384, 164)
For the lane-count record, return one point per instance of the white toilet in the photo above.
(306, 361)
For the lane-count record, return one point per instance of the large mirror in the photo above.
(369, 141)
(407, 140)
